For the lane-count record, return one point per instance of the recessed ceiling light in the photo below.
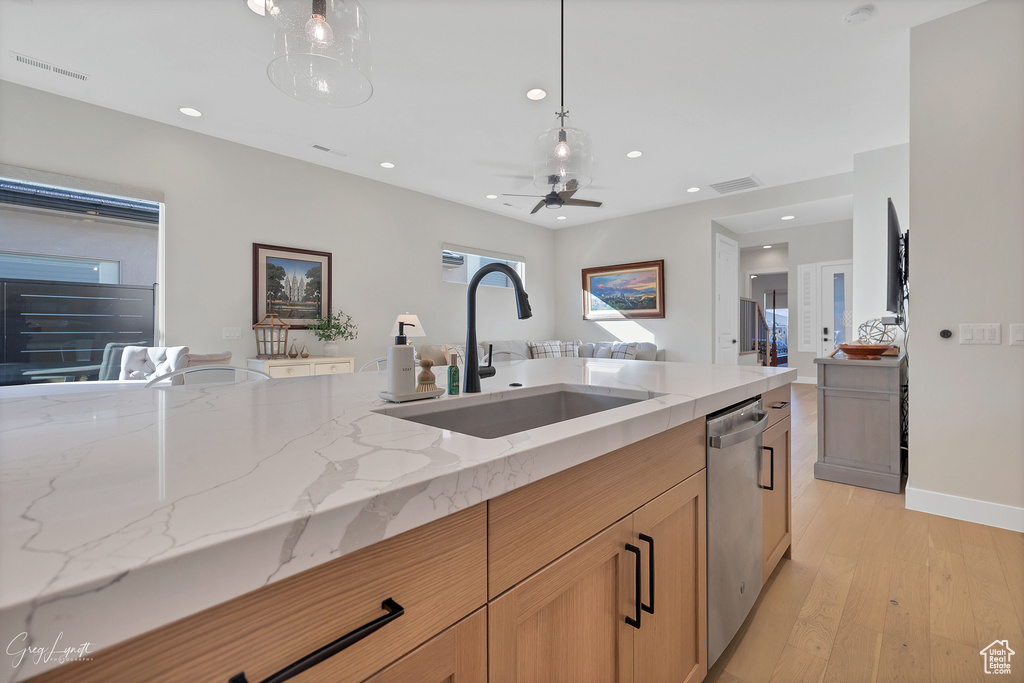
(560, 218)
(767, 246)
(386, 164)
(634, 154)
(492, 196)
(693, 189)
(536, 94)
(189, 111)
(788, 218)
(257, 6)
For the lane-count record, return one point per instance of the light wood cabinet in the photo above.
(776, 501)
(777, 509)
(567, 622)
(669, 644)
(458, 655)
(436, 572)
(303, 367)
(578, 619)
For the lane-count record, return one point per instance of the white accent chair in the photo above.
(147, 362)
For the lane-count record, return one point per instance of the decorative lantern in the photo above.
(271, 337)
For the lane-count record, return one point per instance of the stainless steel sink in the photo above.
(489, 416)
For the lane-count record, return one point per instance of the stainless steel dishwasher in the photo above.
(734, 519)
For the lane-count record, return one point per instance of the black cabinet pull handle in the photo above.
(650, 572)
(327, 651)
(780, 406)
(771, 485)
(635, 623)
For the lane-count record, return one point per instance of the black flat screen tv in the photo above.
(896, 264)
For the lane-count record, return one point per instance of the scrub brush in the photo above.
(425, 380)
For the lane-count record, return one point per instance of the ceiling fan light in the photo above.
(321, 51)
(562, 154)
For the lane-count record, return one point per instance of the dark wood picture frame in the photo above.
(295, 300)
(624, 291)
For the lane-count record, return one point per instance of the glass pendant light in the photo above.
(321, 51)
(562, 154)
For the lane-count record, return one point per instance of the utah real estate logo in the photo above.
(997, 657)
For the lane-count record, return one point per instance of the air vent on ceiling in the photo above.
(736, 185)
(39, 64)
(336, 152)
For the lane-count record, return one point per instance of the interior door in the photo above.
(727, 300)
(836, 303)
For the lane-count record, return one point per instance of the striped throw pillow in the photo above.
(571, 349)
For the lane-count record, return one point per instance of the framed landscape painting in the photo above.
(294, 283)
(631, 290)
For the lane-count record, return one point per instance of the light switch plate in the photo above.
(232, 332)
(1017, 334)
(980, 333)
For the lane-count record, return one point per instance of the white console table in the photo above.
(303, 367)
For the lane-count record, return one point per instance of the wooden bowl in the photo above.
(864, 351)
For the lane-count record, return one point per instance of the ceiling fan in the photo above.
(556, 200)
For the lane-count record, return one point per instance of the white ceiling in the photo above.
(709, 90)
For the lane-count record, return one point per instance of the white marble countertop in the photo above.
(125, 510)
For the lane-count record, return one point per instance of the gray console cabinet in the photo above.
(859, 404)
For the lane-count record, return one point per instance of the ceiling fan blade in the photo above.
(522, 195)
(540, 205)
(566, 194)
(581, 202)
(572, 185)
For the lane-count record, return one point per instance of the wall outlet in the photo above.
(1017, 334)
(980, 333)
(232, 332)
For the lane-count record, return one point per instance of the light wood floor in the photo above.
(875, 592)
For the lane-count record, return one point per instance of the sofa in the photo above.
(522, 349)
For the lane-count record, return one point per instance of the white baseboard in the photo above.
(967, 509)
(805, 380)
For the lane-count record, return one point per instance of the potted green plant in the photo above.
(333, 326)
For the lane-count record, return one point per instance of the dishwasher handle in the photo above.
(748, 432)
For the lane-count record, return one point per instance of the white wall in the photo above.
(683, 236)
(877, 175)
(805, 244)
(967, 263)
(221, 197)
(759, 261)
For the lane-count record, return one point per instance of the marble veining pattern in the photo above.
(124, 510)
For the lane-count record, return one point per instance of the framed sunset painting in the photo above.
(630, 290)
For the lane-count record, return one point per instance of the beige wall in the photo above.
(967, 262)
(221, 197)
(684, 237)
(878, 175)
(805, 244)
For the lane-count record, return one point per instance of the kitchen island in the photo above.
(121, 512)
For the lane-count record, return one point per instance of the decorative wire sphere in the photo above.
(321, 51)
(874, 331)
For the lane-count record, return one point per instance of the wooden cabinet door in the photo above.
(777, 515)
(566, 623)
(457, 655)
(670, 645)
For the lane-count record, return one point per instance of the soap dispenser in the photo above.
(401, 365)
